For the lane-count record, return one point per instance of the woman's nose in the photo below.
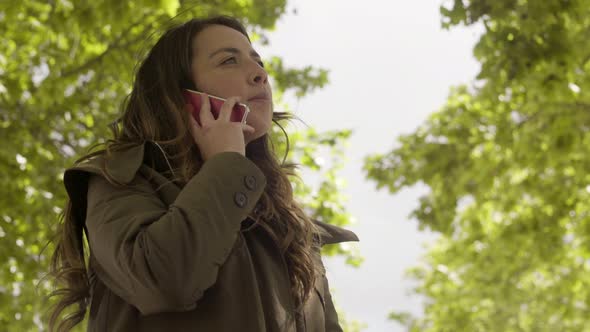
(259, 75)
(260, 79)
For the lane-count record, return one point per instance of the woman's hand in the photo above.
(214, 136)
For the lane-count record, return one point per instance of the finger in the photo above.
(189, 109)
(227, 107)
(248, 128)
(195, 128)
(205, 115)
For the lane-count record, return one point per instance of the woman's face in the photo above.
(224, 64)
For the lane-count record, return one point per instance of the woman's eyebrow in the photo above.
(232, 50)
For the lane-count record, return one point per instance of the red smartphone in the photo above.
(239, 112)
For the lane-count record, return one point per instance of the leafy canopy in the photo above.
(506, 160)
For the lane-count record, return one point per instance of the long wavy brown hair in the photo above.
(154, 112)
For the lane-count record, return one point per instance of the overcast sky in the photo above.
(391, 65)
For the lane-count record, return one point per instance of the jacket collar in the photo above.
(123, 165)
(330, 234)
(120, 165)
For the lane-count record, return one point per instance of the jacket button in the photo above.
(250, 182)
(240, 199)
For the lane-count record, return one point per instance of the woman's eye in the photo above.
(232, 58)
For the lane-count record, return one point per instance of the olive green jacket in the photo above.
(165, 258)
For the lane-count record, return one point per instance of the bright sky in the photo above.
(391, 65)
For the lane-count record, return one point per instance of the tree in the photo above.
(506, 160)
(64, 70)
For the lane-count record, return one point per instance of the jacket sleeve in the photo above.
(162, 258)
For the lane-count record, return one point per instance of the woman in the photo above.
(193, 227)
